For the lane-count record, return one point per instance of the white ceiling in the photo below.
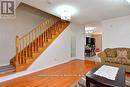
(89, 11)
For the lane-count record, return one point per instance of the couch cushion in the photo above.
(110, 52)
(122, 54)
(125, 61)
(128, 52)
(113, 60)
(127, 49)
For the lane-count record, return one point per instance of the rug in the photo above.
(82, 83)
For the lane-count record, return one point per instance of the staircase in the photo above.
(32, 44)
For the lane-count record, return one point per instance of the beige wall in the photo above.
(116, 32)
(26, 19)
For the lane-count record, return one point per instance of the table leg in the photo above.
(87, 83)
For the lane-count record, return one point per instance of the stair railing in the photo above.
(30, 42)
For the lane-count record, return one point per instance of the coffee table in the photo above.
(104, 82)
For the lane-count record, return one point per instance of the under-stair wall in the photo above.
(57, 53)
(33, 43)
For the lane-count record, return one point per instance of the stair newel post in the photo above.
(17, 50)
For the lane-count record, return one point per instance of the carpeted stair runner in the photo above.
(7, 69)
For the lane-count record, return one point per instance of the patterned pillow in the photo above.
(114, 60)
(122, 54)
(128, 51)
(110, 52)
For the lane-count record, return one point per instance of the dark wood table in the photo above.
(104, 82)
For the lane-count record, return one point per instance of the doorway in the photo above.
(98, 42)
(93, 44)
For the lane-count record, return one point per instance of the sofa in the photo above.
(116, 57)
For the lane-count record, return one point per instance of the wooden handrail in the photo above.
(36, 30)
(45, 21)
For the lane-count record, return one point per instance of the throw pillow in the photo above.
(128, 52)
(122, 54)
(110, 52)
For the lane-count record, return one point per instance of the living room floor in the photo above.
(94, 58)
(63, 75)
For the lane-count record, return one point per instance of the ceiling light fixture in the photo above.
(65, 11)
(65, 15)
(90, 29)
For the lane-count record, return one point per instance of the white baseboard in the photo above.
(4, 64)
(20, 74)
(72, 58)
(80, 58)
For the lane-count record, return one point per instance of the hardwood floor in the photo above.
(38, 79)
(72, 70)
